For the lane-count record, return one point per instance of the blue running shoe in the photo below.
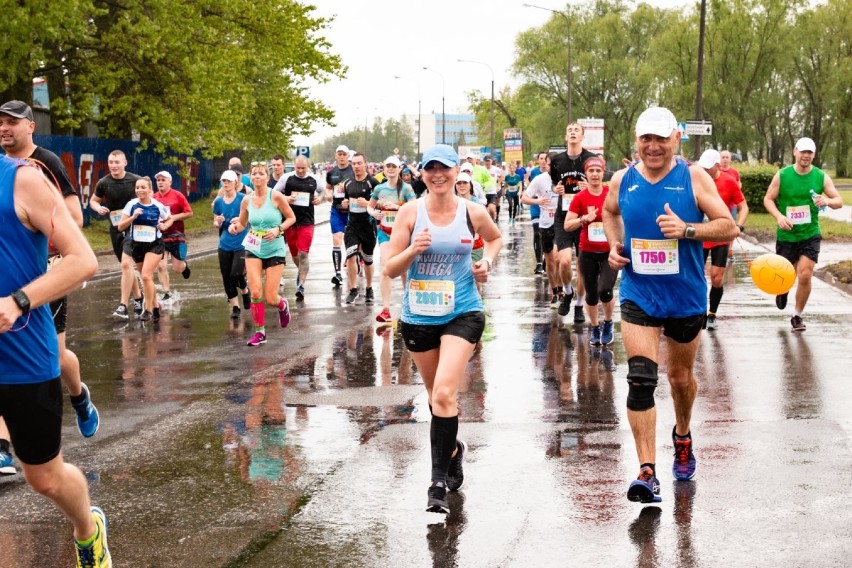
(595, 339)
(7, 464)
(606, 333)
(684, 465)
(88, 419)
(645, 488)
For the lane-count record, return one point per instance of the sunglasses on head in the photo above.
(253, 164)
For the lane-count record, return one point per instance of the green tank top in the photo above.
(263, 219)
(795, 203)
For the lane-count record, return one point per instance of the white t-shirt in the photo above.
(539, 187)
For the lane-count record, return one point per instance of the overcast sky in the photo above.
(381, 39)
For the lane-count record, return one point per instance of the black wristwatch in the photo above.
(689, 232)
(21, 300)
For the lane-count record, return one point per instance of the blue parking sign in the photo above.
(303, 151)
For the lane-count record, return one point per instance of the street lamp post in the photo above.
(570, 66)
(443, 113)
(699, 90)
(419, 117)
(491, 143)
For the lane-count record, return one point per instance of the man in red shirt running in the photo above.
(173, 237)
(730, 192)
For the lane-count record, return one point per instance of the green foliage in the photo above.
(209, 74)
(755, 180)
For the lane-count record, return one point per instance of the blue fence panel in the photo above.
(86, 162)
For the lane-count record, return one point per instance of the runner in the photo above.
(174, 238)
(535, 213)
(464, 189)
(568, 177)
(586, 213)
(360, 236)
(17, 126)
(302, 192)
(268, 215)
(442, 317)
(385, 201)
(540, 194)
(732, 196)
(145, 220)
(513, 187)
(799, 190)
(654, 229)
(115, 190)
(334, 179)
(30, 388)
(232, 255)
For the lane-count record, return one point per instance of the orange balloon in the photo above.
(773, 274)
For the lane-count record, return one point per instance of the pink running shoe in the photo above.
(257, 339)
(284, 315)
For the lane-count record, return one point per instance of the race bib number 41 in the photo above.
(431, 297)
(654, 256)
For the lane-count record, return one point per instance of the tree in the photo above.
(208, 74)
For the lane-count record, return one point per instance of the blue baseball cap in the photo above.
(441, 153)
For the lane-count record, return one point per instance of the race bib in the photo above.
(388, 218)
(566, 201)
(355, 208)
(799, 214)
(596, 232)
(144, 233)
(303, 198)
(550, 214)
(338, 191)
(253, 241)
(431, 297)
(654, 256)
(115, 217)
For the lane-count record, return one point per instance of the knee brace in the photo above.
(606, 296)
(368, 259)
(642, 380)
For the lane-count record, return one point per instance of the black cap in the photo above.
(18, 109)
(487, 157)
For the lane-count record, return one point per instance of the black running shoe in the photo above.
(186, 272)
(156, 314)
(455, 473)
(797, 323)
(246, 301)
(146, 316)
(781, 301)
(138, 305)
(337, 280)
(352, 296)
(369, 297)
(579, 316)
(565, 304)
(539, 269)
(235, 312)
(437, 502)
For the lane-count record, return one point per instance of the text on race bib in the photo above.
(144, 233)
(388, 218)
(115, 217)
(303, 198)
(799, 214)
(354, 207)
(431, 297)
(654, 256)
(253, 241)
(566, 201)
(596, 232)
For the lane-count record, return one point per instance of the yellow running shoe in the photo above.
(97, 554)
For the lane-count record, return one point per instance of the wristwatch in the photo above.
(488, 261)
(689, 232)
(21, 300)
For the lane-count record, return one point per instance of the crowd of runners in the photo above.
(653, 225)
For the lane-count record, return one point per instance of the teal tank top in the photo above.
(262, 219)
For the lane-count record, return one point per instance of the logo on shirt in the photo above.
(632, 187)
(676, 188)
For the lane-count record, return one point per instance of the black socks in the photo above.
(443, 438)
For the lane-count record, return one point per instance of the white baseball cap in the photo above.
(466, 167)
(463, 177)
(164, 174)
(342, 148)
(228, 175)
(709, 158)
(658, 121)
(392, 160)
(805, 145)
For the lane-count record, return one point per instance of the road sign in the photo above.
(303, 151)
(699, 127)
(683, 135)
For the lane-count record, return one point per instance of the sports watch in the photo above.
(689, 232)
(21, 300)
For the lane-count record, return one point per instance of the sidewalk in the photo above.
(198, 244)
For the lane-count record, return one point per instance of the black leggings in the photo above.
(598, 276)
(232, 265)
(513, 204)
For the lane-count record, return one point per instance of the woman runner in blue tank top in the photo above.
(266, 214)
(442, 318)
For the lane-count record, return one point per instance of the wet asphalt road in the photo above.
(313, 449)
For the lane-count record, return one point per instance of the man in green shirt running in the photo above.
(794, 197)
